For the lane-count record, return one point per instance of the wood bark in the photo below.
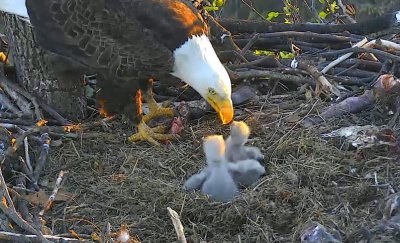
(54, 80)
(372, 25)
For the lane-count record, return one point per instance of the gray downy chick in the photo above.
(246, 172)
(219, 184)
(235, 144)
(196, 180)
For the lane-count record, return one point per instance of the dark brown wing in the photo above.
(170, 22)
(125, 41)
(122, 39)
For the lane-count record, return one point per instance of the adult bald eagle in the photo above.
(129, 42)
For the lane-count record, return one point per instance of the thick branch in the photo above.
(361, 50)
(254, 73)
(363, 28)
(33, 238)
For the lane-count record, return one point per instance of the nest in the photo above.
(308, 179)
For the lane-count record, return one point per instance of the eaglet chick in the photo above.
(246, 172)
(235, 144)
(216, 179)
(244, 165)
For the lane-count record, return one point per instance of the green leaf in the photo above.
(218, 3)
(286, 55)
(264, 53)
(322, 15)
(286, 10)
(322, 1)
(288, 21)
(272, 15)
(333, 7)
(210, 8)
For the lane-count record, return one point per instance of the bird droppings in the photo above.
(308, 180)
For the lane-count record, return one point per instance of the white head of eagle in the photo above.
(197, 64)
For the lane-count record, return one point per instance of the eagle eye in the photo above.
(212, 91)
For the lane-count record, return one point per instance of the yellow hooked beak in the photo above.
(223, 106)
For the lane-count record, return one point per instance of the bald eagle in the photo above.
(128, 43)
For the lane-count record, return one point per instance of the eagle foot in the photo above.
(151, 135)
(158, 112)
(155, 111)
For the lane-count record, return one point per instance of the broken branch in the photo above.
(176, 221)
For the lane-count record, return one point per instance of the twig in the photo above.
(254, 10)
(17, 122)
(54, 194)
(14, 237)
(37, 103)
(7, 206)
(14, 90)
(362, 50)
(105, 235)
(6, 115)
(177, 225)
(21, 202)
(249, 64)
(38, 112)
(347, 69)
(27, 157)
(392, 123)
(5, 223)
(41, 129)
(54, 114)
(22, 104)
(27, 172)
(385, 43)
(219, 31)
(45, 146)
(268, 61)
(344, 57)
(11, 127)
(343, 7)
(18, 141)
(322, 81)
(247, 47)
(362, 64)
(6, 103)
(4, 193)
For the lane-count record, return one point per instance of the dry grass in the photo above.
(308, 179)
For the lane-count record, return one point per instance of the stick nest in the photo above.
(308, 179)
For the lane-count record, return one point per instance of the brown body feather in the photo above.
(125, 41)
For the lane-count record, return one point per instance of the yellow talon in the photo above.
(146, 133)
(151, 135)
(155, 111)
